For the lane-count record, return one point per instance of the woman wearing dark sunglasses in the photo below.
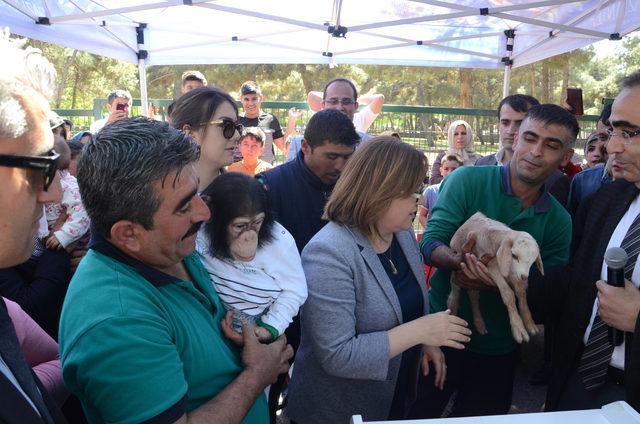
(210, 116)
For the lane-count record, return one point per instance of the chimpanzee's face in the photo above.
(242, 234)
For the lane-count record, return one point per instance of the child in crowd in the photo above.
(67, 220)
(251, 145)
(76, 151)
(449, 164)
(252, 260)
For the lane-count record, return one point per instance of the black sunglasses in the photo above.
(48, 164)
(229, 127)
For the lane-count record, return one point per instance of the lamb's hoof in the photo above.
(532, 329)
(519, 333)
(481, 328)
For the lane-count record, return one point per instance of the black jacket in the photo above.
(570, 293)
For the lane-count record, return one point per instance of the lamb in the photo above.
(513, 254)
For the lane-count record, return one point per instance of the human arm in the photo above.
(292, 120)
(263, 363)
(77, 222)
(435, 177)
(330, 322)
(314, 100)
(285, 267)
(422, 216)
(278, 136)
(40, 351)
(373, 101)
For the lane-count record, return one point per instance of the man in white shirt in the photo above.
(587, 371)
(339, 94)
(118, 107)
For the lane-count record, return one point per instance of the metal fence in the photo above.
(425, 127)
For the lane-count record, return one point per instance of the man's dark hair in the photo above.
(605, 114)
(193, 76)
(630, 81)
(452, 158)
(330, 126)
(518, 102)
(196, 107)
(344, 80)
(250, 87)
(233, 195)
(255, 132)
(76, 148)
(116, 94)
(550, 114)
(118, 167)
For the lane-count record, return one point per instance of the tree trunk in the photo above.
(545, 95)
(68, 62)
(466, 81)
(307, 79)
(74, 92)
(424, 120)
(532, 76)
(565, 83)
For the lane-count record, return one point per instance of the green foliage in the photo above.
(83, 77)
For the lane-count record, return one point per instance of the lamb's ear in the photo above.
(470, 243)
(503, 256)
(539, 265)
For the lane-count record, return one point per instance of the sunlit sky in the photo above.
(608, 48)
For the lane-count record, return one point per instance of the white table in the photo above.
(613, 413)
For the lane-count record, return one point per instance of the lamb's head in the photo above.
(516, 254)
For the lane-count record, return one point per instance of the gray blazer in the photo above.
(342, 367)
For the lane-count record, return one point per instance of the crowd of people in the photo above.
(169, 272)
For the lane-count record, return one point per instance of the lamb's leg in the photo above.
(521, 293)
(478, 322)
(454, 296)
(517, 326)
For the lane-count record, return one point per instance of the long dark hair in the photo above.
(196, 107)
(230, 196)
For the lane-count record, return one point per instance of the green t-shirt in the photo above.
(487, 189)
(134, 347)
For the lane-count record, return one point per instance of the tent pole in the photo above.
(142, 71)
(507, 80)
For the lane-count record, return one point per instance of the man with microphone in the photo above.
(588, 370)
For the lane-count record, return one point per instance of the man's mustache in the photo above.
(194, 229)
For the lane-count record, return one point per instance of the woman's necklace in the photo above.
(394, 270)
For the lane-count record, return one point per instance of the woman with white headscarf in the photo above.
(460, 142)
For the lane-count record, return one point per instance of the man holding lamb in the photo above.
(515, 195)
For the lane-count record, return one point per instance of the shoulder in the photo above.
(333, 236)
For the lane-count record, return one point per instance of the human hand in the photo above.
(227, 329)
(294, 113)
(444, 329)
(264, 361)
(52, 243)
(435, 355)
(262, 334)
(62, 218)
(116, 115)
(474, 274)
(76, 257)
(619, 306)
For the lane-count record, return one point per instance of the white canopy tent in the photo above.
(495, 34)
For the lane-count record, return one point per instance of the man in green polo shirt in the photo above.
(143, 335)
(515, 194)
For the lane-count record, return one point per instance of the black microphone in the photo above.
(615, 258)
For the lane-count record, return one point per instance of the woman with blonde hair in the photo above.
(365, 327)
(460, 142)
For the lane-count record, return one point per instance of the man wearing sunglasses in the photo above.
(28, 175)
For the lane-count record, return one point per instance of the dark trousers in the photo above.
(575, 396)
(483, 385)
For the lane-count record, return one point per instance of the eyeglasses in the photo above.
(229, 127)
(418, 193)
(334, 102)
(626, 135)
(48, 164)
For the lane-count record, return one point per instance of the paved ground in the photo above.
(526, 398)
